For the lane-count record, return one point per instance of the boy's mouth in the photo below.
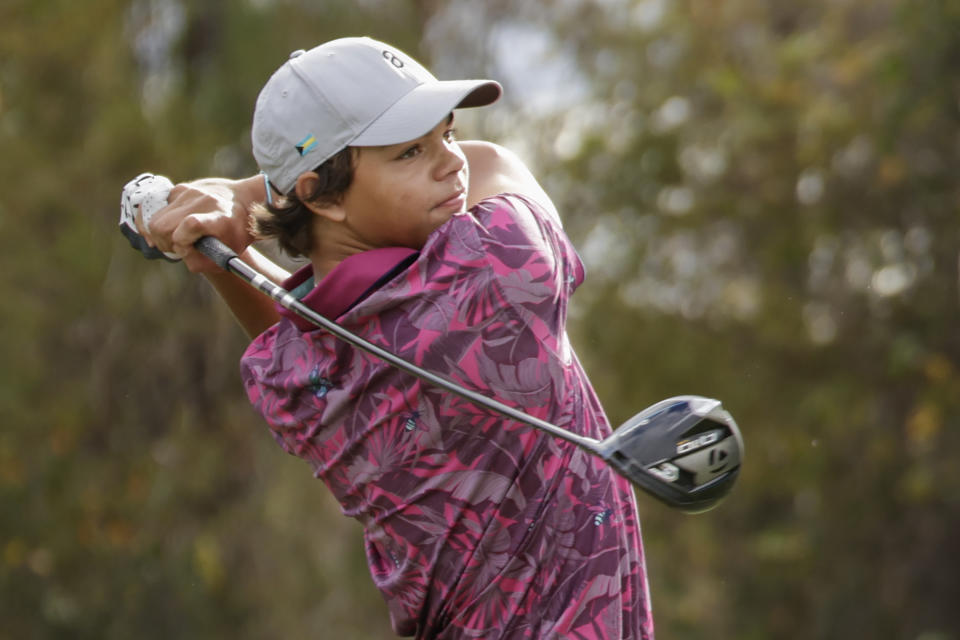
(457, 200)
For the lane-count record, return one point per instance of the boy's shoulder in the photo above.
(496, 170)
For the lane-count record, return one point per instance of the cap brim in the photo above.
(420, 110)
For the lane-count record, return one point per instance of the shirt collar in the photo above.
(347, 284)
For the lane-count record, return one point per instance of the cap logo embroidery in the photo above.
(397, 64)
(305, 145)
(393, 58)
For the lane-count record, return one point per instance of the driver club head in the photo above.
(686, 451)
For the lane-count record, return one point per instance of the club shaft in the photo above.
(227, 259)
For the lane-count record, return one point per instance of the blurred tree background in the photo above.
(764, 194)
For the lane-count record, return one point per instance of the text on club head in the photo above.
(703, 440)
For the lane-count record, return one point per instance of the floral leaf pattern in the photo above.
(474, 526)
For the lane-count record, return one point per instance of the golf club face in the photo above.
(686, 451)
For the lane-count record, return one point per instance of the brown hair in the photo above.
(289, 220)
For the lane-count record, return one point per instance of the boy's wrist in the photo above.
(251, 191)
(248, 193)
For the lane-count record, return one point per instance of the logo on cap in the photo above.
(395, 62)
(392, 58)
(304, 146)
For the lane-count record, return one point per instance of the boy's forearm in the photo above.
(254, 311)
(251, 190)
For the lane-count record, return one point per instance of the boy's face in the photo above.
(400, 193)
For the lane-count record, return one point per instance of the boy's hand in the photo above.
(141, 198)
(209, 207)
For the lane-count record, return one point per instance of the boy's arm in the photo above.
(495, 169)
(219, 208)
(254, 311)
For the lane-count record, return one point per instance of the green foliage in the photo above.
(776, 230)
(764, 195)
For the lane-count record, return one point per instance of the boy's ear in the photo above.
(306, 186)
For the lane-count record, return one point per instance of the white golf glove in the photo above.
(147, 193)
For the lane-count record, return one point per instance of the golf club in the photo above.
(686, 451)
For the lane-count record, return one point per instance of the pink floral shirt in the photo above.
(474, 526)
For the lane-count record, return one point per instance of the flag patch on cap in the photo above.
(304, 146)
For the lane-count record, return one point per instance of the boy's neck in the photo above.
(331, 246)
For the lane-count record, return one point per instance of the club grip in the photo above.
(220, 253)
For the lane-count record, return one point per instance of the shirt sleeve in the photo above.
(513, 244)
(487, 302)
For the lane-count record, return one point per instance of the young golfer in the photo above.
(450, 255)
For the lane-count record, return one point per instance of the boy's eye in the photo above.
(410, 152)
(450, 135)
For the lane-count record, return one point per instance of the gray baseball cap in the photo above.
(350, 92)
